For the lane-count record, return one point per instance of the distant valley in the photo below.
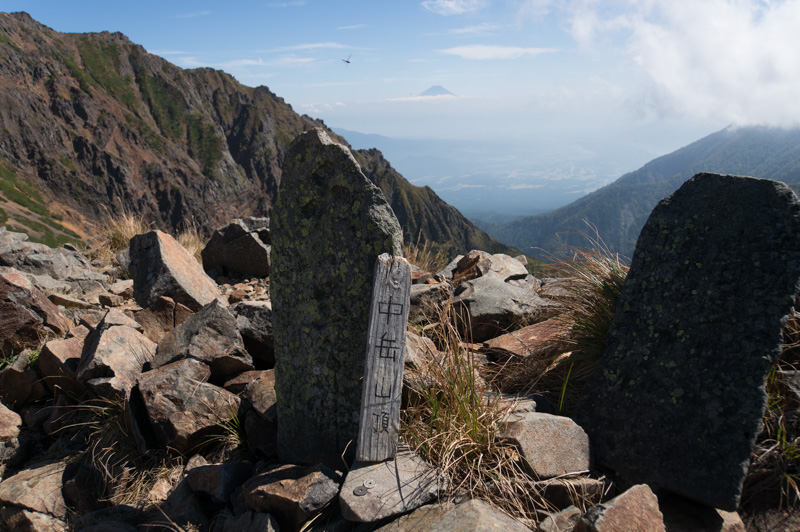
(523, 177)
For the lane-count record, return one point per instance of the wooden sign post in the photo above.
(379, 420)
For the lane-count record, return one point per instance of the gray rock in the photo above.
(162, 267)
(375, 491)
(209, 336)
(635, 509)
(27, 314)
(69, 302)
(330, 224)
(293, 494)
(60, 264)
(37, 488)
(473, 515)
(238, 250)
(487, 307)
(563, 521)
(550, 445)
(113, 356)
(678, 398)
(254, 321)
(427, 301)
(162, 316)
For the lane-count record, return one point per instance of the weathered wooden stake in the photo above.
(379, 420)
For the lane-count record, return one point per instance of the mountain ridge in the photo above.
(101, 127)
(619, 210)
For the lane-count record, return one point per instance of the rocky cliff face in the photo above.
(99, 125)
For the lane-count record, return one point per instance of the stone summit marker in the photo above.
(678, 398)
(329, 224)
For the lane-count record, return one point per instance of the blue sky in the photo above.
(664, 72)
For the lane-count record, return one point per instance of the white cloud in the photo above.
(479, 29)
(726, 60)
(453, 7)
(295, 3)
(242, 63)
(162, 53)
(484, 51)
(194, 14)
(524, 187)
(353, 27)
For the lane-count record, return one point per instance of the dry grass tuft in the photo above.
(427, 257)
(773, 477)
(191, 239)
(454, 425)
(117, 233)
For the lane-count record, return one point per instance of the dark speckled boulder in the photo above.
(329, 225)
(678, 398)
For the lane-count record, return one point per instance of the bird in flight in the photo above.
(347, 61)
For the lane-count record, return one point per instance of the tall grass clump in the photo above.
(454, 424)
(117, 232)
(773, 477)
(426, 256)
(191, 239)
(559, 367)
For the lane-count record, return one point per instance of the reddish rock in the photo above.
(261, 394)
(473, 515)
(530, 339)
(19, 383)
(37, 488)
(633, 511)
(59, 362)
(113, 356)
(162, 267)
(22, 520)
(550, 445)
(28, 315)
(182, 409)
(218, 481)
(10, 423)
(293, 494)
(162, 317)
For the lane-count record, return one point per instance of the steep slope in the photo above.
(100, 126)
(620, 209)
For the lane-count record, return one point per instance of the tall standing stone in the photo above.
(678, 398)
(330, 223)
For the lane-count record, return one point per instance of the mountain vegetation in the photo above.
(618, 211)
(92, 126)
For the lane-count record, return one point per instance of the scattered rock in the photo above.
(487, 307)
(634, 510)
(27, 314)
(678, 398)
(209, 336)
(162, 267)
(238, 250)
(530, 339)
(563, 521)
(58, 362)
(19, 383)
(37, 488)
(218, 481)
(330, 224)
(375, 491)
(293, 494)
(427, 301)
(254, 321)
(69, 302)
(246, 522)
(182, 409)
(22, 520)
(474, 515)
(550, 445)
(162, 316)
(113, 356)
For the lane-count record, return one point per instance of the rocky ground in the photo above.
(148, 403)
